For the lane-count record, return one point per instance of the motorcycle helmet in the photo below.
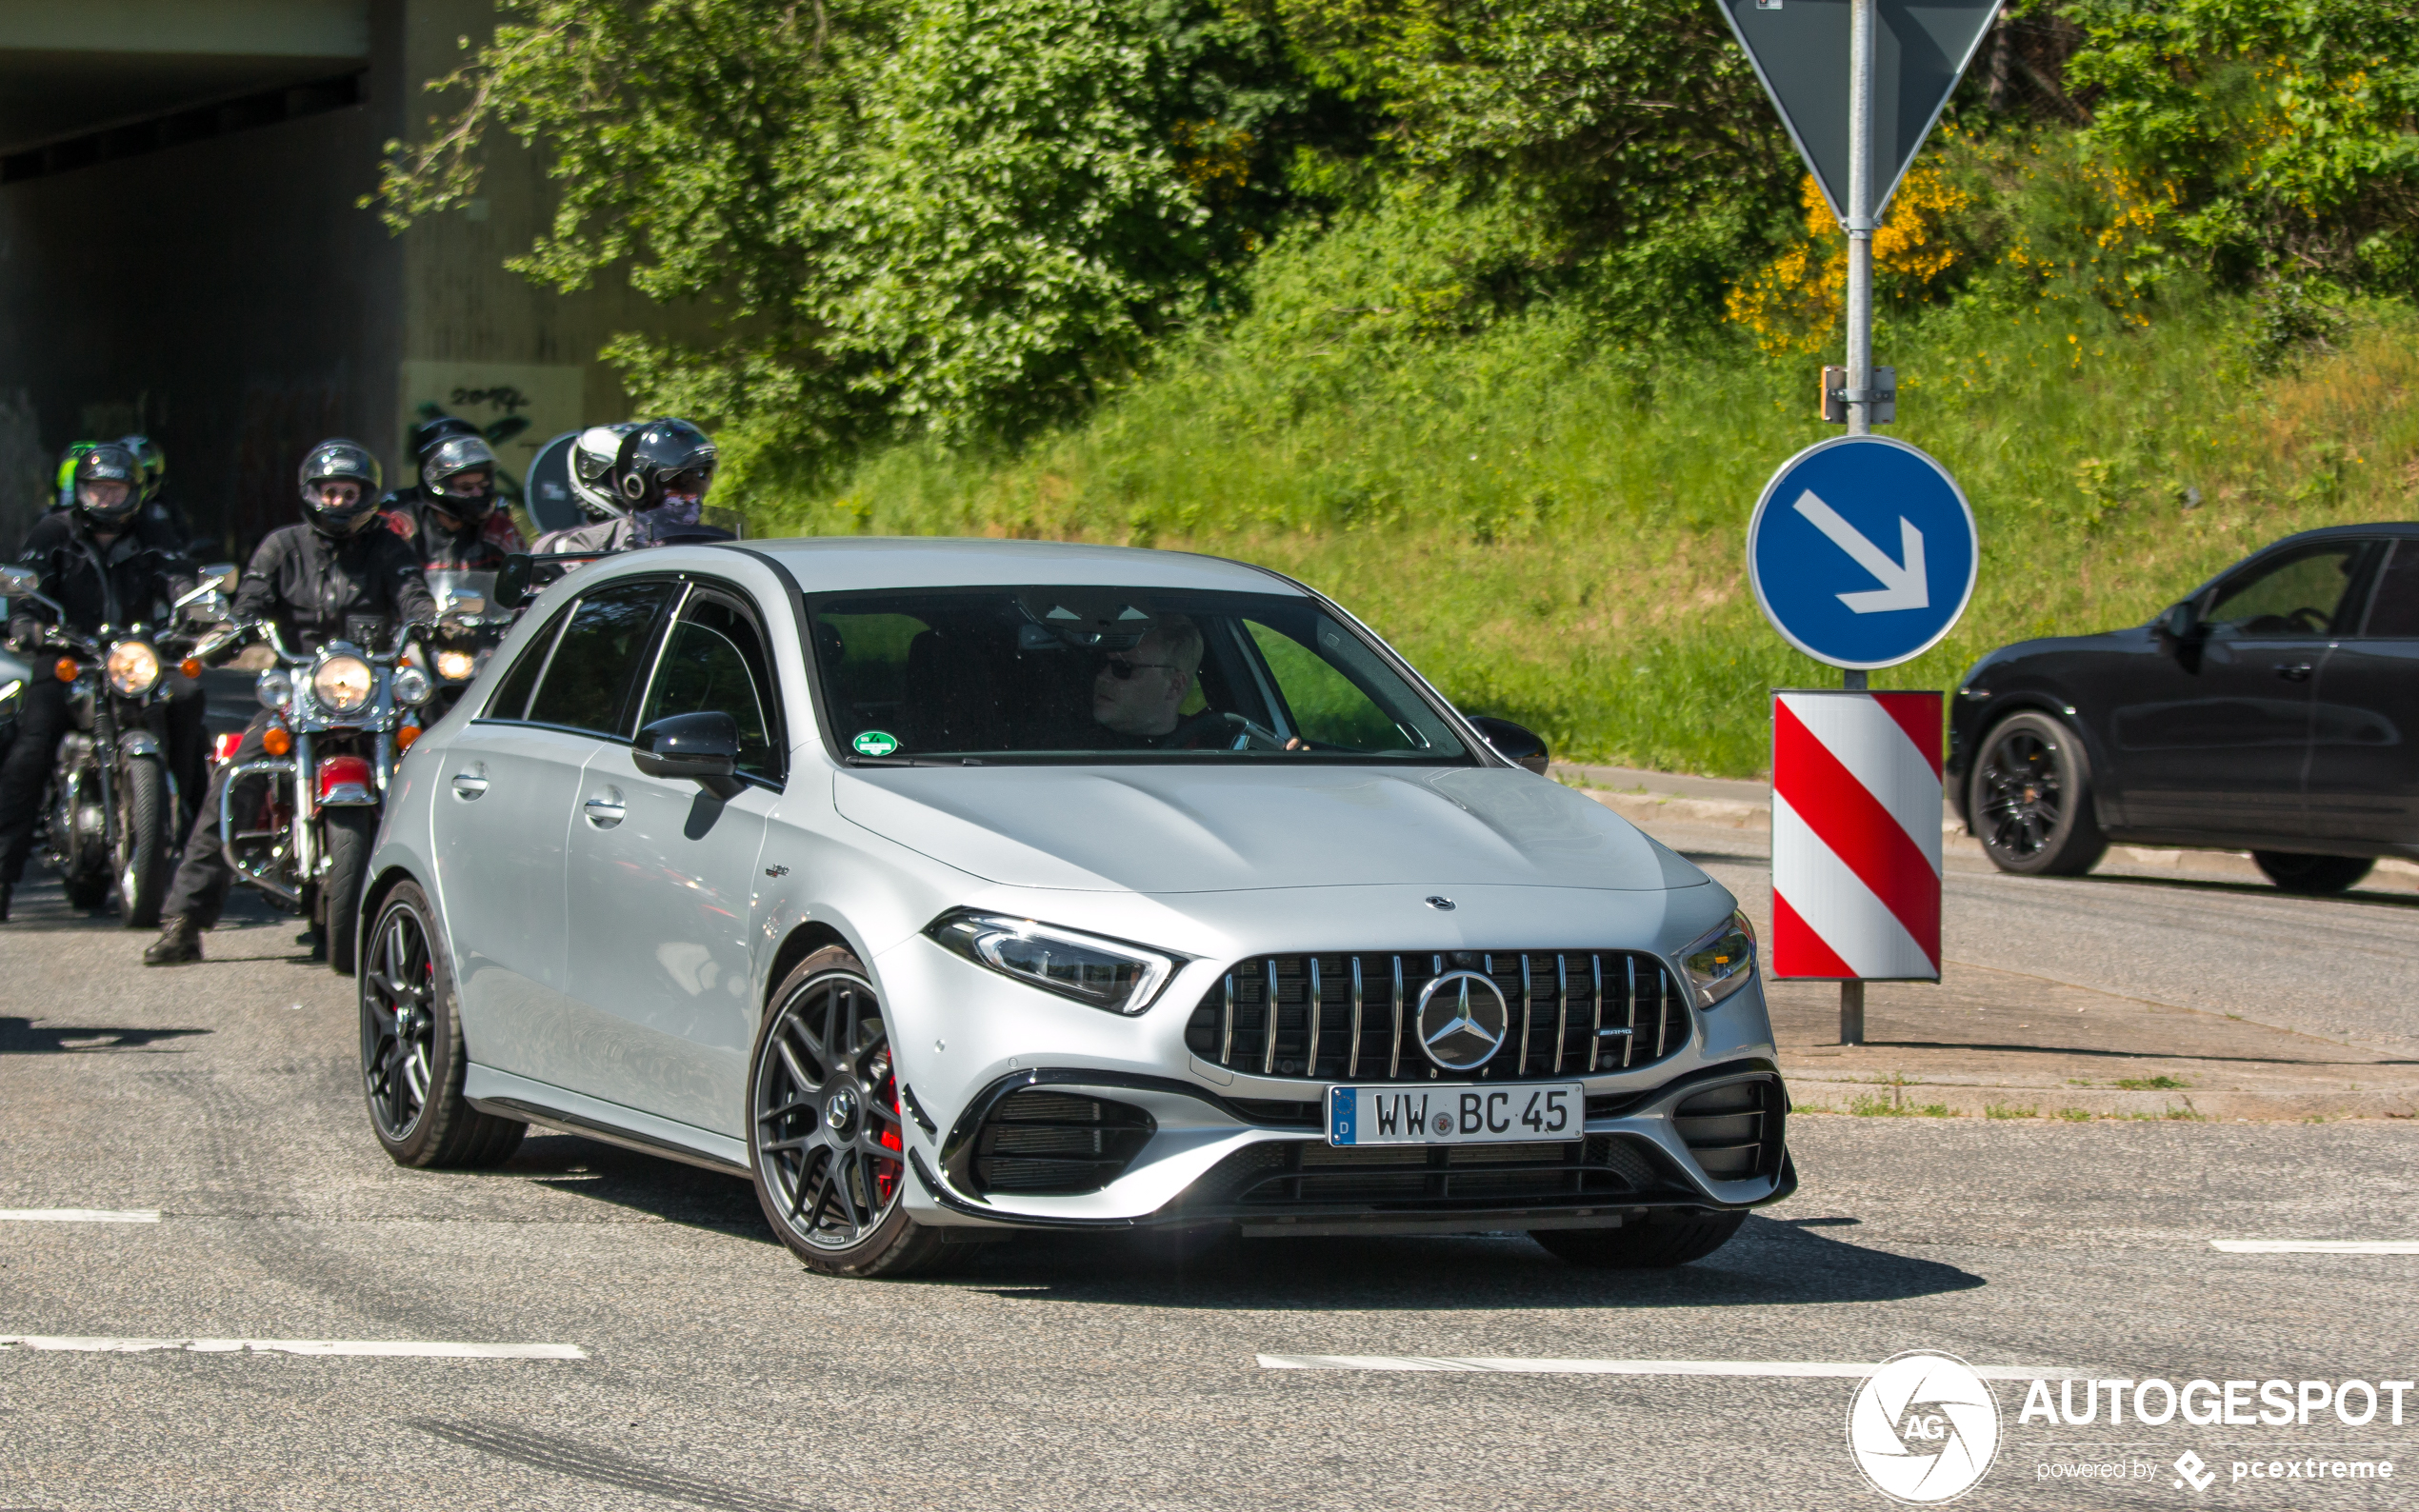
(64, 478)
(154, 462)
(429, 432)
(664, 461)
(334, 511)
(108, 488)
(457, 478)
(593, 458)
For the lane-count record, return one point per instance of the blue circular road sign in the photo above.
(1862, 551)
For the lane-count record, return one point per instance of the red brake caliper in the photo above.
(887, 1173)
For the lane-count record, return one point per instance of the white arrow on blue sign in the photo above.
(1862, 551)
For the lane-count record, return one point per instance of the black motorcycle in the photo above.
(113, 812)
(471, 624)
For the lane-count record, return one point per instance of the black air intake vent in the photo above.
(1354, 1017)
(1058, 1143)
(1734, 1130)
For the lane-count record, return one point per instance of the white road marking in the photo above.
(1819, 1369)
(391, 1348)
(2316, 1247)
(79, 1215)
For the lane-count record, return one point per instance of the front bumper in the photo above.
(1210, 1160)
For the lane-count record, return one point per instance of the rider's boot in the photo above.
(179, 943)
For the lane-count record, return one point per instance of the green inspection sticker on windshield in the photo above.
(875, 743)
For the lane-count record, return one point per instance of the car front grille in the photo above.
(1058, 1143)
(1281, 1174)
(1354, 1017)
(1735, 1130)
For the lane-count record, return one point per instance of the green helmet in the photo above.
(154, 463)
(66, 478)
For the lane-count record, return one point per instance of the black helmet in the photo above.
(154, 462)
(435, 428)
(664, 458)
(592, 467)
(107, 463)
(339, 460)
(446, 481)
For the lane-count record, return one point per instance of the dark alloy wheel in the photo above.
(412, 1055)
(2030, 799)
(1641, 1246)
(2312, 874)
(827, 1142)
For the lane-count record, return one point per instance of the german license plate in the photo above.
(1515, 1113)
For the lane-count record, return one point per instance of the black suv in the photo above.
(2275, 710)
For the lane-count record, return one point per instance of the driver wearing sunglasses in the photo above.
(1138, 693)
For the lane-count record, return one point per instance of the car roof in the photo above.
(843, 563)
(2337, 532)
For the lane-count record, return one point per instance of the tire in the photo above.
(142, 846)
(2316, 875)
(351, 832)
(411, 1054)
(823, 1123)
(1643, 1246)
(2030, 799)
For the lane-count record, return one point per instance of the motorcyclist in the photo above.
(310, 580)
(103, 563)
(450, 517)
(64, 476)
(650, 493)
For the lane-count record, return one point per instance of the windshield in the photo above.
(1084, 674)
(460, 592)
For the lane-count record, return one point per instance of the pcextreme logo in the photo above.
(1923, 1428)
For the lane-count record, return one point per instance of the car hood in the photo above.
(1201, 828)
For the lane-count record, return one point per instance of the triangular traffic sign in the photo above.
(1800, 50)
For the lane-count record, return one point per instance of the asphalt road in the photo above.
(1067, 1373)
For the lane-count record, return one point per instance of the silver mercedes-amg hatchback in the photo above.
(947, 888)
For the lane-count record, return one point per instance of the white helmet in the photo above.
(593, 458)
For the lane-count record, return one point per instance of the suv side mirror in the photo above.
(702, 746)
(1512, 741)
(2181, 628)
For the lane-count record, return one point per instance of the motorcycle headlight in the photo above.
(456, 666)
(342, 683)
(1109, 974)
(12, 689)
(413, 686)
(275, 689)
(1722, 961)
(132, 668)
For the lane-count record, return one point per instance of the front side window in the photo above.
(2296, 596)
(1048, 674)
(592, 681)
(714, 662)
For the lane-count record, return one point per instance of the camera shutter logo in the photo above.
(1923, 1428)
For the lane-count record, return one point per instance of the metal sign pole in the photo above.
(1860, 329)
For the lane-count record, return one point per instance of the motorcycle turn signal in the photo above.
(65, 670)
(277, 740)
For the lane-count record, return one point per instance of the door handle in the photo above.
(470, 784)
(2293, 671)
(605, 809)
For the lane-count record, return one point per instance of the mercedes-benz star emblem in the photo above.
(1463, 1018)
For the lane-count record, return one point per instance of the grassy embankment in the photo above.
(1555, 534)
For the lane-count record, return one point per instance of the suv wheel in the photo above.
(1641, 1246)
(2030, 799)
(2312, 874)
(825, 1139)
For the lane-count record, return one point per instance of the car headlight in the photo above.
(456, 666)
(1722, 961)
(1109, 974)
(413, 686)
(275, 689)
(132, 668)
(342, 683)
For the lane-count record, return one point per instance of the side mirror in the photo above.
(16, 581)
(702, 746)
(512, 582)
(1512, 741)
(2179, 628)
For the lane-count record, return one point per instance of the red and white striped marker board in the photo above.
(1855, 836)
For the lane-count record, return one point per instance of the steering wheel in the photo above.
(1252, 734)
(2315, 621)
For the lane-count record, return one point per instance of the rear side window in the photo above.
(591, 683)
(714, 662)
(2393, 609)
(513, 696)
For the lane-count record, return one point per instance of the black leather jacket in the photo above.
(310, 586)
(439, 544)
(133, 578)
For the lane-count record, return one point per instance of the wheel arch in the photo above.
(804, 940)
(374, 888)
